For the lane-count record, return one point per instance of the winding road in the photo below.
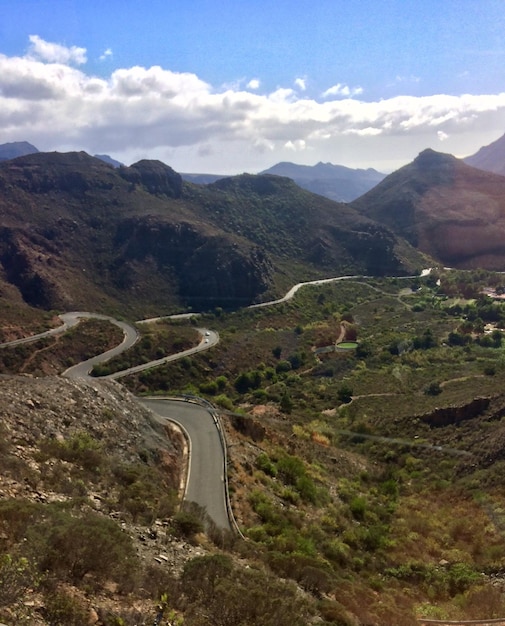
(206, 481)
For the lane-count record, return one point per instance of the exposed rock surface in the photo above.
(39, 409)
(446, 416)
(34, 409)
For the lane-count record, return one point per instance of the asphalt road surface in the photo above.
(209, 339)
(206, 484)
(82, 370)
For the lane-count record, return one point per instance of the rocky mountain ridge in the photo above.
(335, 182)
(78, 233)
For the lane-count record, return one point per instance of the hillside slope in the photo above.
(490, 158)
(77, 233)
(447, 209)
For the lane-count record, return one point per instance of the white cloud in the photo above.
(301, 83)
(154, 112)
(106, 54)
(254, 83)
(295, 146)
(408, 79)
(342, 90)
(54, 52)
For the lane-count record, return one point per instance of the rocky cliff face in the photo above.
(211, 269)
(454, 415)
(77, 233)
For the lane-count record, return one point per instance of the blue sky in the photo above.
(230, 86)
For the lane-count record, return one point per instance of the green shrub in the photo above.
(80, 449)
(17, 516)
(307, 489)
(17, 576)
(264, 463)
(282, 367)
(221, 382)
(286, 404)
(358, 507)
(63, 608)
(190, 520)
(290, 468)
(230, 596)
(73, 547)
(437, 581)
(344, 394)
(209, 387)
(224, 402)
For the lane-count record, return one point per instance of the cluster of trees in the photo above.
(253, 379)
(420, 342)
(467, 284)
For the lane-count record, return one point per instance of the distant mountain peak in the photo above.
(336, 182)
(16, 149)
(432, 158)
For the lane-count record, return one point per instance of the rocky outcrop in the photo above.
(454, 415)
(155, 176)
(23, 259)
(239, 274)
(248, 426)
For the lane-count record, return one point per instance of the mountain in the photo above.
(451, 211)
(108, 159)
(77, 233)
(490, 158)
(336, 182)
(201, 179)
(16, 149)
(22, 148)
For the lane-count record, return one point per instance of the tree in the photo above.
(277, 351)
(242, 383)
(344, 394)
(286, 403)
(433, 389)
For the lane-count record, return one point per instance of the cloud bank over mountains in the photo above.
(47, 98)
